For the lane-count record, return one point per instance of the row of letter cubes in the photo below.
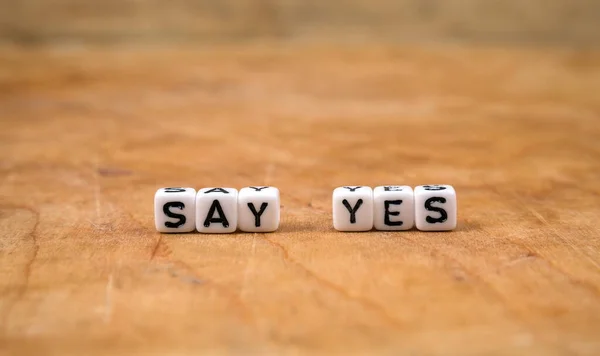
(257, 209)
(217, 210)
(394, 208)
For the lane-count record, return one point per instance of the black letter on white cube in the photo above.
(388, 213)
(258, 209)
(221, 219)
(443, 214)
(216, 210)
(258, 213)
(180, 218)
(394, 208)
(353, 208)
(175, 210)
(435, 207)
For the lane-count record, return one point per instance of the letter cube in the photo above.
(258, 209)
(353, 208)
(435, 207)
(394, 207)
(217, 210)
(175, 210)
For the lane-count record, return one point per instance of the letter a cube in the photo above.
(217, 210)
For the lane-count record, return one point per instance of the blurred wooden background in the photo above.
(555, 22)
(103, 102)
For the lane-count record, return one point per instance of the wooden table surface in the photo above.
(88, 135)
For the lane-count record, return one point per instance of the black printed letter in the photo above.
(353, 189)
(257, 215)
(352, 210)
(388, 213)
(174, 204)
(258, 189)
(443, 215)
(433, 187)
(392, 189)
(174, 190)
(220, 219)
(216, 190)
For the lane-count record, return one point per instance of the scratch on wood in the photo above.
(174, 273)
(192, 278)
(590, 287)
(489, 287)
(550, 228)
(536, 214)
(367, 303)
(156, 247)
(104, 227)
(528, 256)
(492, 291)
(454, 265)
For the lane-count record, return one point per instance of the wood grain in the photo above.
(88, 136)
(572, 23)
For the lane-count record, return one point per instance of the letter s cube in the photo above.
(435, 207)
(175, 210)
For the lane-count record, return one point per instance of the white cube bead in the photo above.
(353, 208)
(435, 207)
(175, 210)
(258, 209)
(216, 210)
(393, 207)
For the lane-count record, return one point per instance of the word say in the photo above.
(217, 210)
